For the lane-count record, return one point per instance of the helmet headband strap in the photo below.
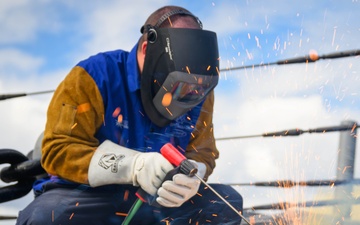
(168, 15)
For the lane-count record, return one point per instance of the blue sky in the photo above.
(41, 40)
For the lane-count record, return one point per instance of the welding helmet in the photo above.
(181, 67)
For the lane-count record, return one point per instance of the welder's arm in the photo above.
(202, 146)
(74, 114)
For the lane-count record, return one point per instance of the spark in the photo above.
(353, 128)
(252, 219)
(83, 108)
(71, 216)
(121, 214)
(73, 126)
(166, 100)
(126, 195)
(170, 22)
(194, 148)
(188, 70)
(257, 42)
(77, 204)
(208, 68)
(181, 149)
(166, 220)
(345, 168)
(313, 55)
(120, 118)
(249, 55)
(164, 88)
(116, 112)
(169, 111)
(333, 40)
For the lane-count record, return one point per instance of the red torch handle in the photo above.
(172, 154)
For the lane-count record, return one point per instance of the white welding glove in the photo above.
(115, 164)
(173, 193)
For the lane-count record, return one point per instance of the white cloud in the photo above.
(16, 24)
(116, 25)
(16, 62)
(21, 20)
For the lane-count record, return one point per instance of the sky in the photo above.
(41, 40)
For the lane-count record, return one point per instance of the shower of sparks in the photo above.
(293, 207)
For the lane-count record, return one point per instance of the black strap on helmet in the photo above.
(176, 12)
(167, 15)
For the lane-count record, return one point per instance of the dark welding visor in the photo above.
(181, 67)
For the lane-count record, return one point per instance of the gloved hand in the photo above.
(115, 164)
(173, 193)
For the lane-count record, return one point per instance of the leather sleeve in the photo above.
(202, 146)
(74, 115)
